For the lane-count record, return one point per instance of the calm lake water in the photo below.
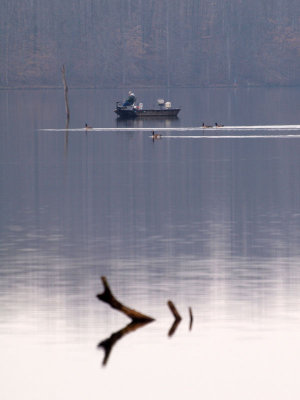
(210, 223)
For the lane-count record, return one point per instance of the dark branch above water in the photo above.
(108, 297)
(174, 311)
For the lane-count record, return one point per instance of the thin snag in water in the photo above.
(174, 311)
(191, 318)
(66, 95)
(177, 317)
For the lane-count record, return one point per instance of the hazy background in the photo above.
(111, 43)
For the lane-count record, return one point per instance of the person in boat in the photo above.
(130, 100)
(206, 126)
(218, 125)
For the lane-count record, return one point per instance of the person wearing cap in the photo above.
(130, 100)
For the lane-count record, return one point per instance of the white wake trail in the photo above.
(230, 137)
(185, 129)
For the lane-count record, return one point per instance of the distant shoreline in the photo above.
(249, 86)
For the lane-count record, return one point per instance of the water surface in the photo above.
(212, 223)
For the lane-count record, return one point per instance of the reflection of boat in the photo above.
(132, 111)
(151, 122)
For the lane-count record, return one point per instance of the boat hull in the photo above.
(125, 113)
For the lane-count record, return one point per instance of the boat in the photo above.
(130, 110)
(134, 112)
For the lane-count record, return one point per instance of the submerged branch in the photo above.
(108, 297)
(174, 311)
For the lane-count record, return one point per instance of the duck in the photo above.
(156, 135)
(87, 126)
(206, 126)
(218, 125)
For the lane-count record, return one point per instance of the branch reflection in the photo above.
(174, 327)
(108, 344)
(66, 137)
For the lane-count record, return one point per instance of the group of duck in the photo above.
(212, 126)
(159, 136)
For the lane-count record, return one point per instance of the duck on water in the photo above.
(211, 126)
(156, 136)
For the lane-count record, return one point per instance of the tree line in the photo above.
(110, 43)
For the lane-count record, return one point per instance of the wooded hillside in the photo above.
(109, 43)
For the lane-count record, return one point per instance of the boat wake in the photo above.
(240, 128)
(231, 136)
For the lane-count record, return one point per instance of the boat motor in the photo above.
(161, 102)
